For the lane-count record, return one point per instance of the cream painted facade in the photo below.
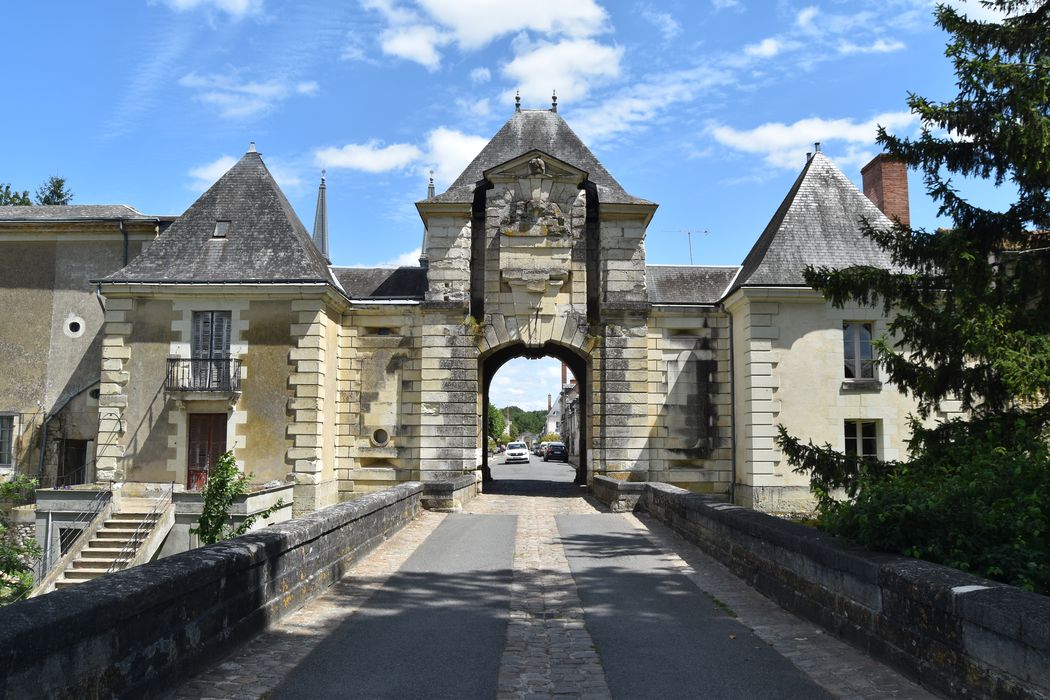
(349, 380)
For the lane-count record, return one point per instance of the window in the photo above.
(210, 347)
(862, 438)
(7, 436)
(221, 229)
(857, 350)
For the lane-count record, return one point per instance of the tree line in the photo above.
(53, 191)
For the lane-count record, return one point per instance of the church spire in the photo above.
(321, 220)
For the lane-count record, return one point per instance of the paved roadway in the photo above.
(536, 591)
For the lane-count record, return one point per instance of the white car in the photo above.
(516, 452)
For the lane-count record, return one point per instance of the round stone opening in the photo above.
(380, 437)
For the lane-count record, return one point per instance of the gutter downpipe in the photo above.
(732, 405)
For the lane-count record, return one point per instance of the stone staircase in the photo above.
(117, 541)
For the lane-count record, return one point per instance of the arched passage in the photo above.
(577, 362)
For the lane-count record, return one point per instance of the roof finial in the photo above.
(251, 147)
(554, 100)
(430, 187)
(816, 147)
(324, 171)
(517, 100)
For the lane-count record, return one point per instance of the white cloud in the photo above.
(420, 32)
(238, 100)
(449, 152)
(480, 75)
(233, 8)
(525, 383)
(724, 4)
(415, 42)
(804, 19)
(667, 25)
(204, 176)
(409, 259)
(784, 145)
(878, 46)
(645, 101)
(475, 23)
(769, 47)
(446, 151)
(974, 10)
(368, 157)
(570, 67)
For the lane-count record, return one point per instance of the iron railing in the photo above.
(212, 374)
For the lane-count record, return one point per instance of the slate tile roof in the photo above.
(681, 284)
(382, 282)
(74, 212)
(533, 129)
(818, 223)
(266, 241)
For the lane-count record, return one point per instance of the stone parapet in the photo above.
(957, 634)
(133, 633)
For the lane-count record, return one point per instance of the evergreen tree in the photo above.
(972, 321)
(54, 191)
(13, 198)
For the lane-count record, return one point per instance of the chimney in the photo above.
(886, 184)
(564, 372)
(549, 403)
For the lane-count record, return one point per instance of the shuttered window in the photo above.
(7, 434)
(211, 335)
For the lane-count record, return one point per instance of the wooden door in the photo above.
(207, 443)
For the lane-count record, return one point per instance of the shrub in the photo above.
(225, 483)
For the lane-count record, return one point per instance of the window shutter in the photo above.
(201, 341)
(221, 334)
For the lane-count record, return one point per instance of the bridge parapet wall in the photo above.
(955, 633)
(138, 630)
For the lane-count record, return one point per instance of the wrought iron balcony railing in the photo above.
(213, 374)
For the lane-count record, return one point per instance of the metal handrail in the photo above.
(127, 552)
(203, 374)
(43, 562)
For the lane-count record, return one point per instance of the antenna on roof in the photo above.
(517, 100)
(554, 101)
(251, 147)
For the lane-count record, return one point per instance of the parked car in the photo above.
(517, 452)
(541, 448)
(556, 451)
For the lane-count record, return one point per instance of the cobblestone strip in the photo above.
(549, 652)
(256, 668)
(839, 668)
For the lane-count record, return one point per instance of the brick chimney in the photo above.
(549, 403)
(886, 184)
(564, 370)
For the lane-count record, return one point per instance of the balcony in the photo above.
(214, 376)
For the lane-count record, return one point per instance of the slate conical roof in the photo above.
(265, 240)
(543, 130)
(818, 223)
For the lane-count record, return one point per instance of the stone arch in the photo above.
(579, 363)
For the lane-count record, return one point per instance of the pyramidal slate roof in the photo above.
(265, 241)
(818, 223)
(543, 130)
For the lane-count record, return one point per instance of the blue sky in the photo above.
(705, 106)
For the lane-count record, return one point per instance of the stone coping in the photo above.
(954, 632)
(135, 631)
(450, 493)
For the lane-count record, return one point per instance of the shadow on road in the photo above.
(537, 478)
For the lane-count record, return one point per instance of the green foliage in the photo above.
(973, 497)
(13, 198)
(972, 323)
(496, 423)
(54, 191)
(225, 483)
(18, 490)
(550, 437)
(16, 564)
